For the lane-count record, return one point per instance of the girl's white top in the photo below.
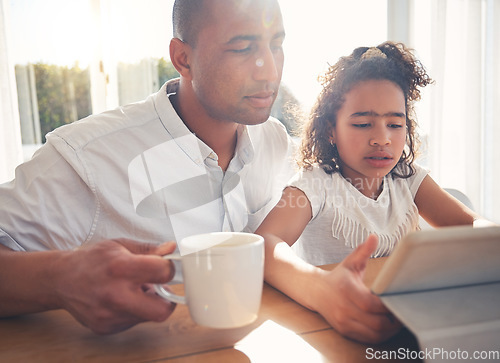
(342, 217)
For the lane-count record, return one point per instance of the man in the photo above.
(90, 211)
(198, 156)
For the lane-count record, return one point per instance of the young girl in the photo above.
(358, 178)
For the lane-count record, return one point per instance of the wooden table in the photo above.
(284, 332)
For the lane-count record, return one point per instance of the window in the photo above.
(92, 55)
(103, 53)
(459, 43)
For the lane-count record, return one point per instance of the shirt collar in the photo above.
(244, 147)
(175, 126)
(177, 129)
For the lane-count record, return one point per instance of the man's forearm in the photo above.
(26, 281)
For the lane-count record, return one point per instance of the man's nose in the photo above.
(268, 66)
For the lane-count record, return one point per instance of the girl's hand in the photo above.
(348, 304)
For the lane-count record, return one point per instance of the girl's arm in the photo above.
(280, 229)
(439, 208)
(340, 295)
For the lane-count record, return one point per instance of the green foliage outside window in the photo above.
(166, 71)
(63, 95)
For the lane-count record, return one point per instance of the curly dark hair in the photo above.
(399, 66)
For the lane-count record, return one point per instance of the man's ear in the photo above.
(179, 56)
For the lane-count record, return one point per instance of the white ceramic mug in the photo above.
(223, 274)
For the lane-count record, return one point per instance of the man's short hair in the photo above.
(187, 20)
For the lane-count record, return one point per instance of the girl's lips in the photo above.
(379, 155)
(380, 159)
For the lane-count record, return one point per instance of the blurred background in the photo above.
(63, 60)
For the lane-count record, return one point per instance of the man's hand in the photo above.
(349, 306)
(106, 286)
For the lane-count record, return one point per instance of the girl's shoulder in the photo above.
(313, 173)
(413, 182)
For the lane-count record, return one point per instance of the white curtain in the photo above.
(458, 41)
(11, 153)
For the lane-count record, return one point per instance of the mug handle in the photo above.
(164, 293)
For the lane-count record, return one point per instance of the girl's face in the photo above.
(370, 133)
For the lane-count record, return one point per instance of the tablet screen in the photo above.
(440, 258)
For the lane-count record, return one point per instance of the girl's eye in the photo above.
(361, 126)
(395, 126)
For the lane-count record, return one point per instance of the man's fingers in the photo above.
(144, 269)
(166, 248)
(153, 308)
(142, 248)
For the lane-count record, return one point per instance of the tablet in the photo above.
(441, 258)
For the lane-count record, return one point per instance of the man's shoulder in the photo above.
(82, 132)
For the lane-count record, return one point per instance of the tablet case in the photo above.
(444, 285)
